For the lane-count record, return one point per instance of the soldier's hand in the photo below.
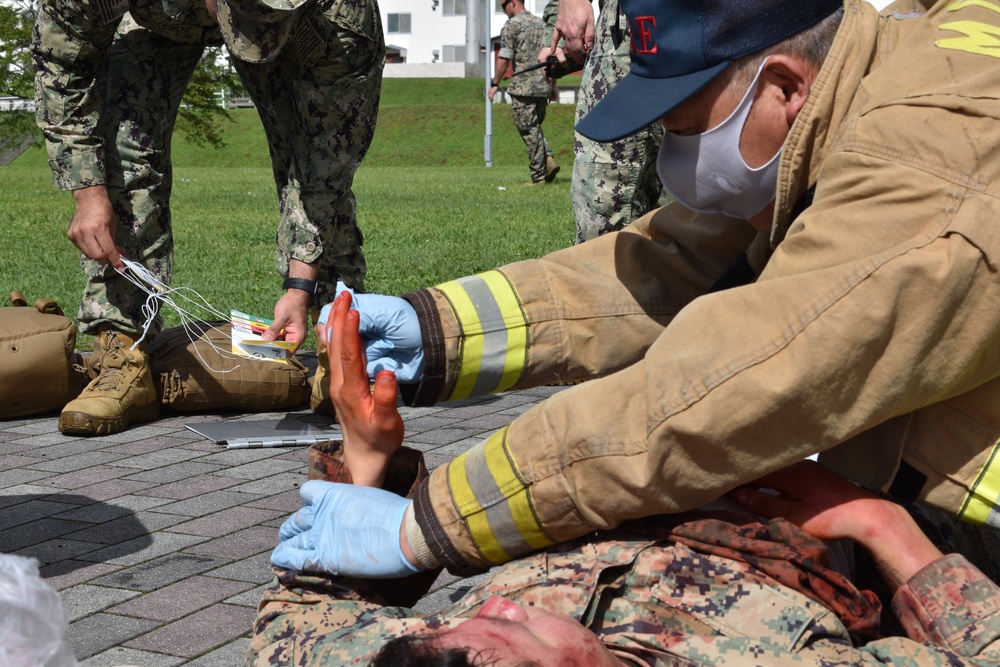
(829, 507)
(544, 54)
(92, 228)
(820, 502)
(290, 315)
(575, 26)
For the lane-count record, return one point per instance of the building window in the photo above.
(398, 23)
(453, 7)
(454, 54)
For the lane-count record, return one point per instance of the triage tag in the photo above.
(247, 341)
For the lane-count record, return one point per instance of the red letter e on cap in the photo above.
(642, 34)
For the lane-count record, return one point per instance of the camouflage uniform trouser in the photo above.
(613, 183)
(529, 114)
(318, 101)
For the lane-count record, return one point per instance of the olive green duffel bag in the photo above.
(196, 370)
(40, 370)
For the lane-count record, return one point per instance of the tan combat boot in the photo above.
(121, 394)
(319, 397)
(551, 168)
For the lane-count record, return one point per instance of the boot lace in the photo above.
(112, 361)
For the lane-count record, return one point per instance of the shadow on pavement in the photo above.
(67, 531)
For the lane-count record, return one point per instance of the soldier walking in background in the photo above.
(522, 37)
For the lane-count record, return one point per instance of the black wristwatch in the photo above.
(309, 286)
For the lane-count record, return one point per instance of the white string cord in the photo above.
(160, 294)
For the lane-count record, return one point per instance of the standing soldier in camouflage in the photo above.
(522, 37)
(614, 183)
(725, 587)
(109, 79)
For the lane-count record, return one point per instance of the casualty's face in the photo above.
(505, 634)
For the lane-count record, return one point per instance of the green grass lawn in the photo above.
(428, 207)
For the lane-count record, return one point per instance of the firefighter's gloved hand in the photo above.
(345, 529)
(391, 331)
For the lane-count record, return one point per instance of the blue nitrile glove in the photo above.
(391, 331)
(345, 529)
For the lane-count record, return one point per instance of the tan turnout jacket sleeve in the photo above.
(870, 333)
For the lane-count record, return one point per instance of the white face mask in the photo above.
(707, 173)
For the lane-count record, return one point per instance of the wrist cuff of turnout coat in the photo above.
(428, 390)
(436, 539)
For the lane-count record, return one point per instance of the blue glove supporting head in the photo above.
(345, 529)
(390, 329)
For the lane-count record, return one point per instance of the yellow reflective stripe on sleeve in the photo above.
(472, 344)
(981, 504)
(516, 327)
(494, 333)
(470, 510)
(527, 522)
(509, 481)
(492, 498)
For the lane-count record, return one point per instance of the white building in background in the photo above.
(11, 103)
(433, 31)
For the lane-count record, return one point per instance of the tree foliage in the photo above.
(202, 113)
(201, 116)
(16, 75)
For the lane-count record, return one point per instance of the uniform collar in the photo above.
(822, 117)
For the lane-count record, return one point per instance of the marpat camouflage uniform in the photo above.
(684, 589)
(521, 38)
(108, 86)
(613, 183)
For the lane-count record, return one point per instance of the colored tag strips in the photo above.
(247, 340)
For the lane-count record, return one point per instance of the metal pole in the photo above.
(472, 32)
(488, 79)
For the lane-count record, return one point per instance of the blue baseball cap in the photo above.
(678, 46)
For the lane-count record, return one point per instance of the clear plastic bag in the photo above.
(33, 621)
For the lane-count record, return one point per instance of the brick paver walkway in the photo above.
(158, 540)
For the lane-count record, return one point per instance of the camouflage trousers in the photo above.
(529, 114)
(318, 102)
(613, 183)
